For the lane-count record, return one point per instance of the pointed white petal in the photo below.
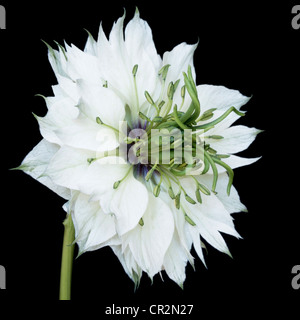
(197, 242)
(232, 202)
(68, 87)
(221, 98)
(210, 218)
(116, 36)
(180, 226)
(236, 162)
(139, 43)
(118, 56)
(101, 102)
(128, 262)
(57, 61)
(93, 227)
(84, 133)
(236, 139)
(142, 52)
(127, 202)
(36, 162)
(68, 166)
(91, 46)
(175, 261)
(113, 62)
(150, 242)
(82, 65)
(179, 59)
(60, 114)
(101, 176)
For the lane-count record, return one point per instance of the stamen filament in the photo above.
(134, 71)
(117, 183)
(99, 121)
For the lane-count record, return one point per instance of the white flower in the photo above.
(150, 213)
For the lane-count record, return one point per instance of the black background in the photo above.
(247, 46)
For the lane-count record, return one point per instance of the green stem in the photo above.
(67, 259)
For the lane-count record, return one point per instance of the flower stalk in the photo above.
(67, 259)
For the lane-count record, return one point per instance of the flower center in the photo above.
(166, 144)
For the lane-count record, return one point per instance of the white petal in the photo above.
(68, 167)
(175, 261)
(128, 202)
(180, 226)
(60, 114)
(128, 262)
(197, 242)
(101, 176)
(232, 202)
(179, 59)
(57, 61)
(36, 162)
(221, 98)
(118, 56)
(139, 43)
(93, 227)
(84, 133)
(142, 52)
(236, 139)
(101, 102)
(82, 65)
(68, 87)
(113, 62)
(236, 162)
(91, 46)
(150, 242)
(210, 218)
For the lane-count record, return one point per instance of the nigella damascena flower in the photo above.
(143, 155)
